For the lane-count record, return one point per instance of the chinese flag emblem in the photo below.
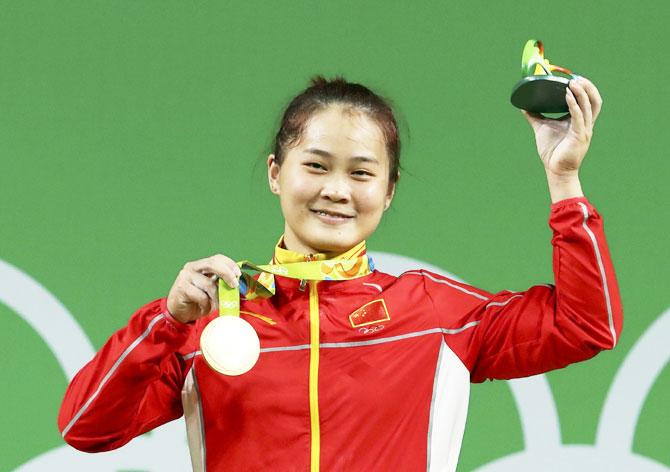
(372, 312)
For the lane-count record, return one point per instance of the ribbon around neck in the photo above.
(264, 286)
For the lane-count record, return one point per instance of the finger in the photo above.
(227, 261)
(576, 117)
(213, 275)
(583, 100)
(207, 285)
(594, 97)
(222, 266)
(199, 297)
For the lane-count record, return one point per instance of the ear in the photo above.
(273, 174)
(390, 193)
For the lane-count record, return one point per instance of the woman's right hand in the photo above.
(195, 291)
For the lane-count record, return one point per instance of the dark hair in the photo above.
(319, 95)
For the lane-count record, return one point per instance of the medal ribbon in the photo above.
(264, 286)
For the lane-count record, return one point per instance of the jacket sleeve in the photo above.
(517, 334)
(132, 385)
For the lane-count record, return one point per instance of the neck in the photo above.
(286, 251)
(292, 244)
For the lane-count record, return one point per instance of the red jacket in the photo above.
(364, 374)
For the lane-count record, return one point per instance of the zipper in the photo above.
(315, 427)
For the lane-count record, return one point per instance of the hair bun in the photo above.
(318, 81)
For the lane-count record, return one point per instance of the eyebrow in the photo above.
(321, 152)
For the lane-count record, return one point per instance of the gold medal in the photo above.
(230, 345)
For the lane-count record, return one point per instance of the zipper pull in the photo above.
(303, 282)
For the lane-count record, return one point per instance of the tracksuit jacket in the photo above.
(367, 374)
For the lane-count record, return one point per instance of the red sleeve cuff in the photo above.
(172, 320)
(568, 201)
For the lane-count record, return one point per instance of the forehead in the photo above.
(344, 131)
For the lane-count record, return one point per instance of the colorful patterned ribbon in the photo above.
(264, 286)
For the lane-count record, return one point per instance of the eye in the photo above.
(314, 165)
(363, 173)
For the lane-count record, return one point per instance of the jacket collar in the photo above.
(284, 256)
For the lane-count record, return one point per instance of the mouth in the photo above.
(332, 216)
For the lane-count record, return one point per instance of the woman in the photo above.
(368, 373)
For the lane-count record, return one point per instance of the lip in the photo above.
(333, 219)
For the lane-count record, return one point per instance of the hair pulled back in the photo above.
(319, 95)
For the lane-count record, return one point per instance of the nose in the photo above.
(336, 189)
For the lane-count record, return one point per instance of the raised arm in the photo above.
(516, 334)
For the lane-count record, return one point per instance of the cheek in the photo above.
(371, 198)
(296, 192)
(302, 191)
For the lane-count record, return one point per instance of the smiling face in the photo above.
(333, 185)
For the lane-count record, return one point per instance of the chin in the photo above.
(331, 246)
(333, 243)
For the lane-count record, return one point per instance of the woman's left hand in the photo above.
(562, 143)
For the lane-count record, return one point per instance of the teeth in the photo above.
(330, 214)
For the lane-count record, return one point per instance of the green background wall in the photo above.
(133, 136)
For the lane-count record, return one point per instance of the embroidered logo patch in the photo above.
(372, 312)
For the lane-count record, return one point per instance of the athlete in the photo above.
(370, 373)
